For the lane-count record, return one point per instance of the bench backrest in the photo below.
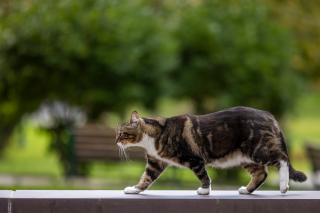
(93, 143)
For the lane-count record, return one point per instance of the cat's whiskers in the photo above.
(117, 125)
(130, 150)
(124, 153)
(120, 153)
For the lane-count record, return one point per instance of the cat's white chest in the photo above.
(149, 144)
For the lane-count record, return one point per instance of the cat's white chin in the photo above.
(131, 190)
(204, 191)
(243, 190)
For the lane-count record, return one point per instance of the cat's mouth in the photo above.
(121, 145)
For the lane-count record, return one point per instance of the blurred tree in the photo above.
(5, 6)
(9, 113)
(90, 53)
(303, 18)
(7, 121)
(232, 54)
(102, 55)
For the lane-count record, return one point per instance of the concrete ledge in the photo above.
(4, 200)
(103, 201)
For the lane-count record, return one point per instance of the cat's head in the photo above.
(130, 133)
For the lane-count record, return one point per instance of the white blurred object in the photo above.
(57, 113)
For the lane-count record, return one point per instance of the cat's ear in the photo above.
(134, 117)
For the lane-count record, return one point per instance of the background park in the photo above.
(69, 63)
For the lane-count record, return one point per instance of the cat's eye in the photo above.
(128, 136)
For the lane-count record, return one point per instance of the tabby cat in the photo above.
(239, 136)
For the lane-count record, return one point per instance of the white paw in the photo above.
(284, 188)
(243, 190)
(203, 191)
(131, 190)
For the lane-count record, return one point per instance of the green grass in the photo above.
(31, 157)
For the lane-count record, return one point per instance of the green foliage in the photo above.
(303, 18)
(98, 54)
(233, 54)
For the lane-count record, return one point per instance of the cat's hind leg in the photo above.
(284, 176)
(282, 165)
(258, 173)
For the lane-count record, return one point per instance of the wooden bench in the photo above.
(314, 155)
(96, 143)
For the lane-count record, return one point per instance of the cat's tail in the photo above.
(296, 175)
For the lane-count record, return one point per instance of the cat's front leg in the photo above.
(200, 171)
(153, 171)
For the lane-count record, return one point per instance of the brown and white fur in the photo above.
(239, 136)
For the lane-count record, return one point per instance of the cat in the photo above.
(239, 136)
